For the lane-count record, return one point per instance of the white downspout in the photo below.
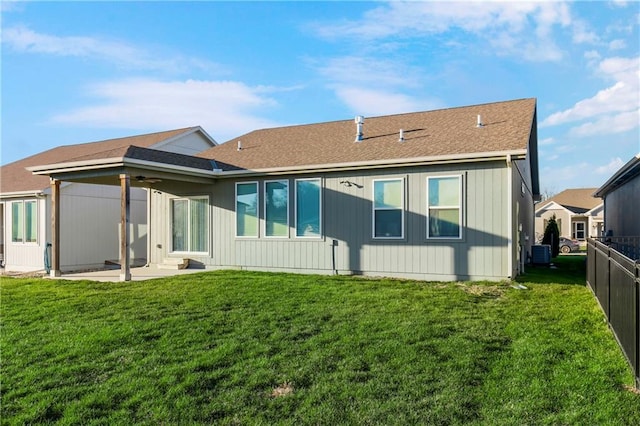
(149, 195)
(509, 217)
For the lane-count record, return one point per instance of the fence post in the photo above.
(609, 284)
(637, 326)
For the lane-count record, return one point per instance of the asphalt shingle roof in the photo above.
(578, 200)
(445, 132)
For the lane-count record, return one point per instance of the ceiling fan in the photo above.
(149, 180)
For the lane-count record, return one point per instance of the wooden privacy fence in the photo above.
(615, 280)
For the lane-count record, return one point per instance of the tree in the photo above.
(552, 236)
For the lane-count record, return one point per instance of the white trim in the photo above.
(510, 224)
(264, 203)
(460, 207)
(402, 208)
(106, 163)
(187, 132)
(386, 163)
(305, 168)
(295, 208)
(24, 222)
(235, 208)
(23, 194)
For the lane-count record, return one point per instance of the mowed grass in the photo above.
(258, 348)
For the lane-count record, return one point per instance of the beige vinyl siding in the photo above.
(347, 218)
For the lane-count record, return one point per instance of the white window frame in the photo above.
(460, 207)
(23, 212)
(295, 213)
(207, 222)
(576, 230)
(235, 207)
(264, 210)
(374, 209)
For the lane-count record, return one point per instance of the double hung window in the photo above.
(247, 209)
(189, 229)
(276, 208)
(24, 221)
(444, 207)
(388, 208)
(308, 208)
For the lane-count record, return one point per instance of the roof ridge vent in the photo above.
(359, 121)
(480, 123)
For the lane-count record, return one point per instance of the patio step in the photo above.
(174, 263)
(115, 263)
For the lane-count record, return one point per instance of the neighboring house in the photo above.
(578, 213)
(436, 195)
(621, 197)
(90, 213)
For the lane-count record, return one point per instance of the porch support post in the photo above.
(55, 228)
(125, 202)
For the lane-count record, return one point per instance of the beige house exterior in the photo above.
(435, 195)
(578, 213)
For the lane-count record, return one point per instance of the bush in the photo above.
(552, 236)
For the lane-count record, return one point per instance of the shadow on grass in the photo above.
(564, 269)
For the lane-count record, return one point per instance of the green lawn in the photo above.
(258, 348)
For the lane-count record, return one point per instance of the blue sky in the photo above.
(76, 72)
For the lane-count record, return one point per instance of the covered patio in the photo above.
(125, 167)
(140, 273)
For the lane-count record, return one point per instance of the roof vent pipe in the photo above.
(359, 120)
(401, 139)
(479, 121)
(239, 145)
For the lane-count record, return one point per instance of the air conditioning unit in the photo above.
(541, 254)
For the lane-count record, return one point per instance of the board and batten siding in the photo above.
(90, 225)
(347, 213)
(23, 256)
(621, 208)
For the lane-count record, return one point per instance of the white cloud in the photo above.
(359, 70)
(610, 110)
(546, 141)
(611, 168)
(23, 39)
(609, 124)
(618, 44)
(374, 87)
(371, 102)
(506, 27)
(223, 108)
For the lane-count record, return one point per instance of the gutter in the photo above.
(313, 168)
(378, 164)
(108, 163)
(22, 194)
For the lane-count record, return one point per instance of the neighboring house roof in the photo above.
(576, 200)
(15, 178)
(441, 134)
(623, 175)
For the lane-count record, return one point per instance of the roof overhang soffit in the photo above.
(101, 171)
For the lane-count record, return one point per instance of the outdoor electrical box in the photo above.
(541, 254)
